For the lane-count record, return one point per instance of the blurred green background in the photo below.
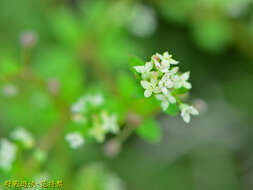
(84, 43)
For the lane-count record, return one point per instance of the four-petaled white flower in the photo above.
(144, 69)
(149, 87)
(165, 100)
(181, 81)
(110, 123)
(75, 139)
(161, 64)
(187, 111)
(168, 58)
(8, 152)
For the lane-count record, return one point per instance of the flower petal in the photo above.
(145, 84)
(172, 99)
(186, 118)
(165, 105)
(148, 66)
(187, 85)
(185, 76)
(159, 97)
(173, 62)
(147, 93)
(194, 111)
(139, 69)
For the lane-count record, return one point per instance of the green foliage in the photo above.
(149, 131)
(172, 110)
(212, 34)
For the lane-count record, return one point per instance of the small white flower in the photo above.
(187, 111)
(181, 81)
(23, 136)
(168, 58)
(110, 123)
(149, 87)
(161, 64)
(7, 154)
(145, 69)
(75, 139)
(165, 100)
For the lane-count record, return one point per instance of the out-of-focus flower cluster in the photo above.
(96, 121)
(7, 154)
(161, 77)
(8, 149)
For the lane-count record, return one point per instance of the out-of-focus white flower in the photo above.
(75, 139)
(187, 111)
(109, 123)
(143, 22)
(23, 136)
(181, 81)
(79, 106)
(165, 100)
(10, 90)
(96, 99)
(7, 154)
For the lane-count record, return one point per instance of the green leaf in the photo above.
(126, 85)
(149, 131)
(172, 110)
(180, 91)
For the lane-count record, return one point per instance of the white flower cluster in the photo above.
(99, 122)
(7, 154)
(161, 77)
(24, 137)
